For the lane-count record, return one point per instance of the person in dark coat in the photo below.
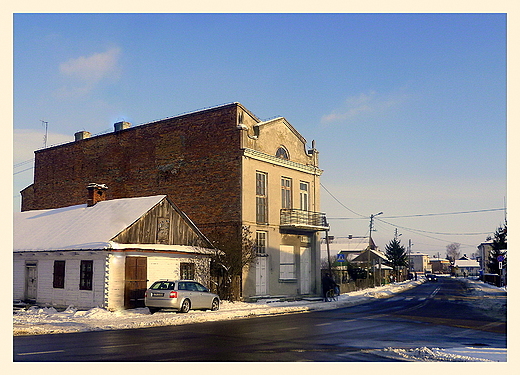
(327, 283)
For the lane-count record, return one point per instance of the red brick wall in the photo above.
(194, 159)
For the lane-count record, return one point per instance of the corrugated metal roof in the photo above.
(78, 227)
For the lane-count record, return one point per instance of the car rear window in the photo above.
(163, 285)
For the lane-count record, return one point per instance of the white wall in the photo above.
(69, 295)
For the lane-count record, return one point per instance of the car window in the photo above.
(163, 285)
(192, 287)
(201, 288)
(183, 286)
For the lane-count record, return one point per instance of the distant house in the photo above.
(347, 247)
(440, 266)
(106, 252)
(419, 262)
(466, 267)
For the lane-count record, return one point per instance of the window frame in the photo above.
(187, 271)
(261, 198)
(286, 187)
(86, 274)
(287, 263)
(304, 196)
(261, 242)
(58, 275)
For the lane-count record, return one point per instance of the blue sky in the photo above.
(408, 111)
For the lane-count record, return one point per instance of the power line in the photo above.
(24, 170)
(441, 233)
(337, 200)
(23, 162)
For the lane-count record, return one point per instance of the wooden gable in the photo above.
(163, 224)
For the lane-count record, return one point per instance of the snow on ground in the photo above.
(46, 320)
(43, 320)
(424, 354)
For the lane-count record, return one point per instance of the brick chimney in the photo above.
(96, 193)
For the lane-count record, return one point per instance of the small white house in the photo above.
(105, 253)
(465, 267)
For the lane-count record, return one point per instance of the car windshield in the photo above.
(163, 285)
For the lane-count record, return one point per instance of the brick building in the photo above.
(224, 167)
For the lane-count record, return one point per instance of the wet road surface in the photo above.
(435, 314)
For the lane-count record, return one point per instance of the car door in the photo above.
(205, 296)
(185, 291)
(194, 295)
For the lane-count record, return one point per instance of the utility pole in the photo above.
(370, 242)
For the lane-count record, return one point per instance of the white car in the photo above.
(181, 295)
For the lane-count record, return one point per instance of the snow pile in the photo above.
(44, 320)
(490, 299)
(425, 354)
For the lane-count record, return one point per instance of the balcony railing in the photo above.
(302, 220)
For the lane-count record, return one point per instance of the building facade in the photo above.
(225, 168)
(105, 253)
(419, 262)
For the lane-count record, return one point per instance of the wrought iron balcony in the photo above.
(294, 219)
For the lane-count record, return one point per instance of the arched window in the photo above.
(282, 153)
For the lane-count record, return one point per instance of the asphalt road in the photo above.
(436, 314)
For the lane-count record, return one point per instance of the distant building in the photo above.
(419, 262)
(349, 247)
(465, 267)
(440, 266)
(484, 249)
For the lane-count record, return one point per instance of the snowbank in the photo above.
(45, 320)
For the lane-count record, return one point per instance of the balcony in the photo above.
(301, 220)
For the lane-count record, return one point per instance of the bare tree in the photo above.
(229, 264)
(452, 251)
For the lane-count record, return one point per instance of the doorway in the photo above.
(135, 281)
(261, 276)
(31, 281)
(305, 270)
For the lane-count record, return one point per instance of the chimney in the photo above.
(82, 135)
(118, 126)
(96, 193)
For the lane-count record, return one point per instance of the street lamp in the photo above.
(370, 242)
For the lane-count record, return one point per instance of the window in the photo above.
(287, 265)
(85, 274)
(304, 196)
(282, 153)
(187, 271)
(286, 192)
(261, 198)
(58, 279)
(261, 242)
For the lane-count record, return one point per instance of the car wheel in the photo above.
(185, 307)
(153, 309)
(215, 305)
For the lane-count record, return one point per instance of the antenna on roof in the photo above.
(46, 124)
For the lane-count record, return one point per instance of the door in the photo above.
(135, 281)
(261, 276)
(305, 270)
(31, 281)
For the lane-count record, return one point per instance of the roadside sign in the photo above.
(499, 265)
(340, 258)
(500, 258)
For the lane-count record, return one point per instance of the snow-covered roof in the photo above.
(465, 263)
(78, 227)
